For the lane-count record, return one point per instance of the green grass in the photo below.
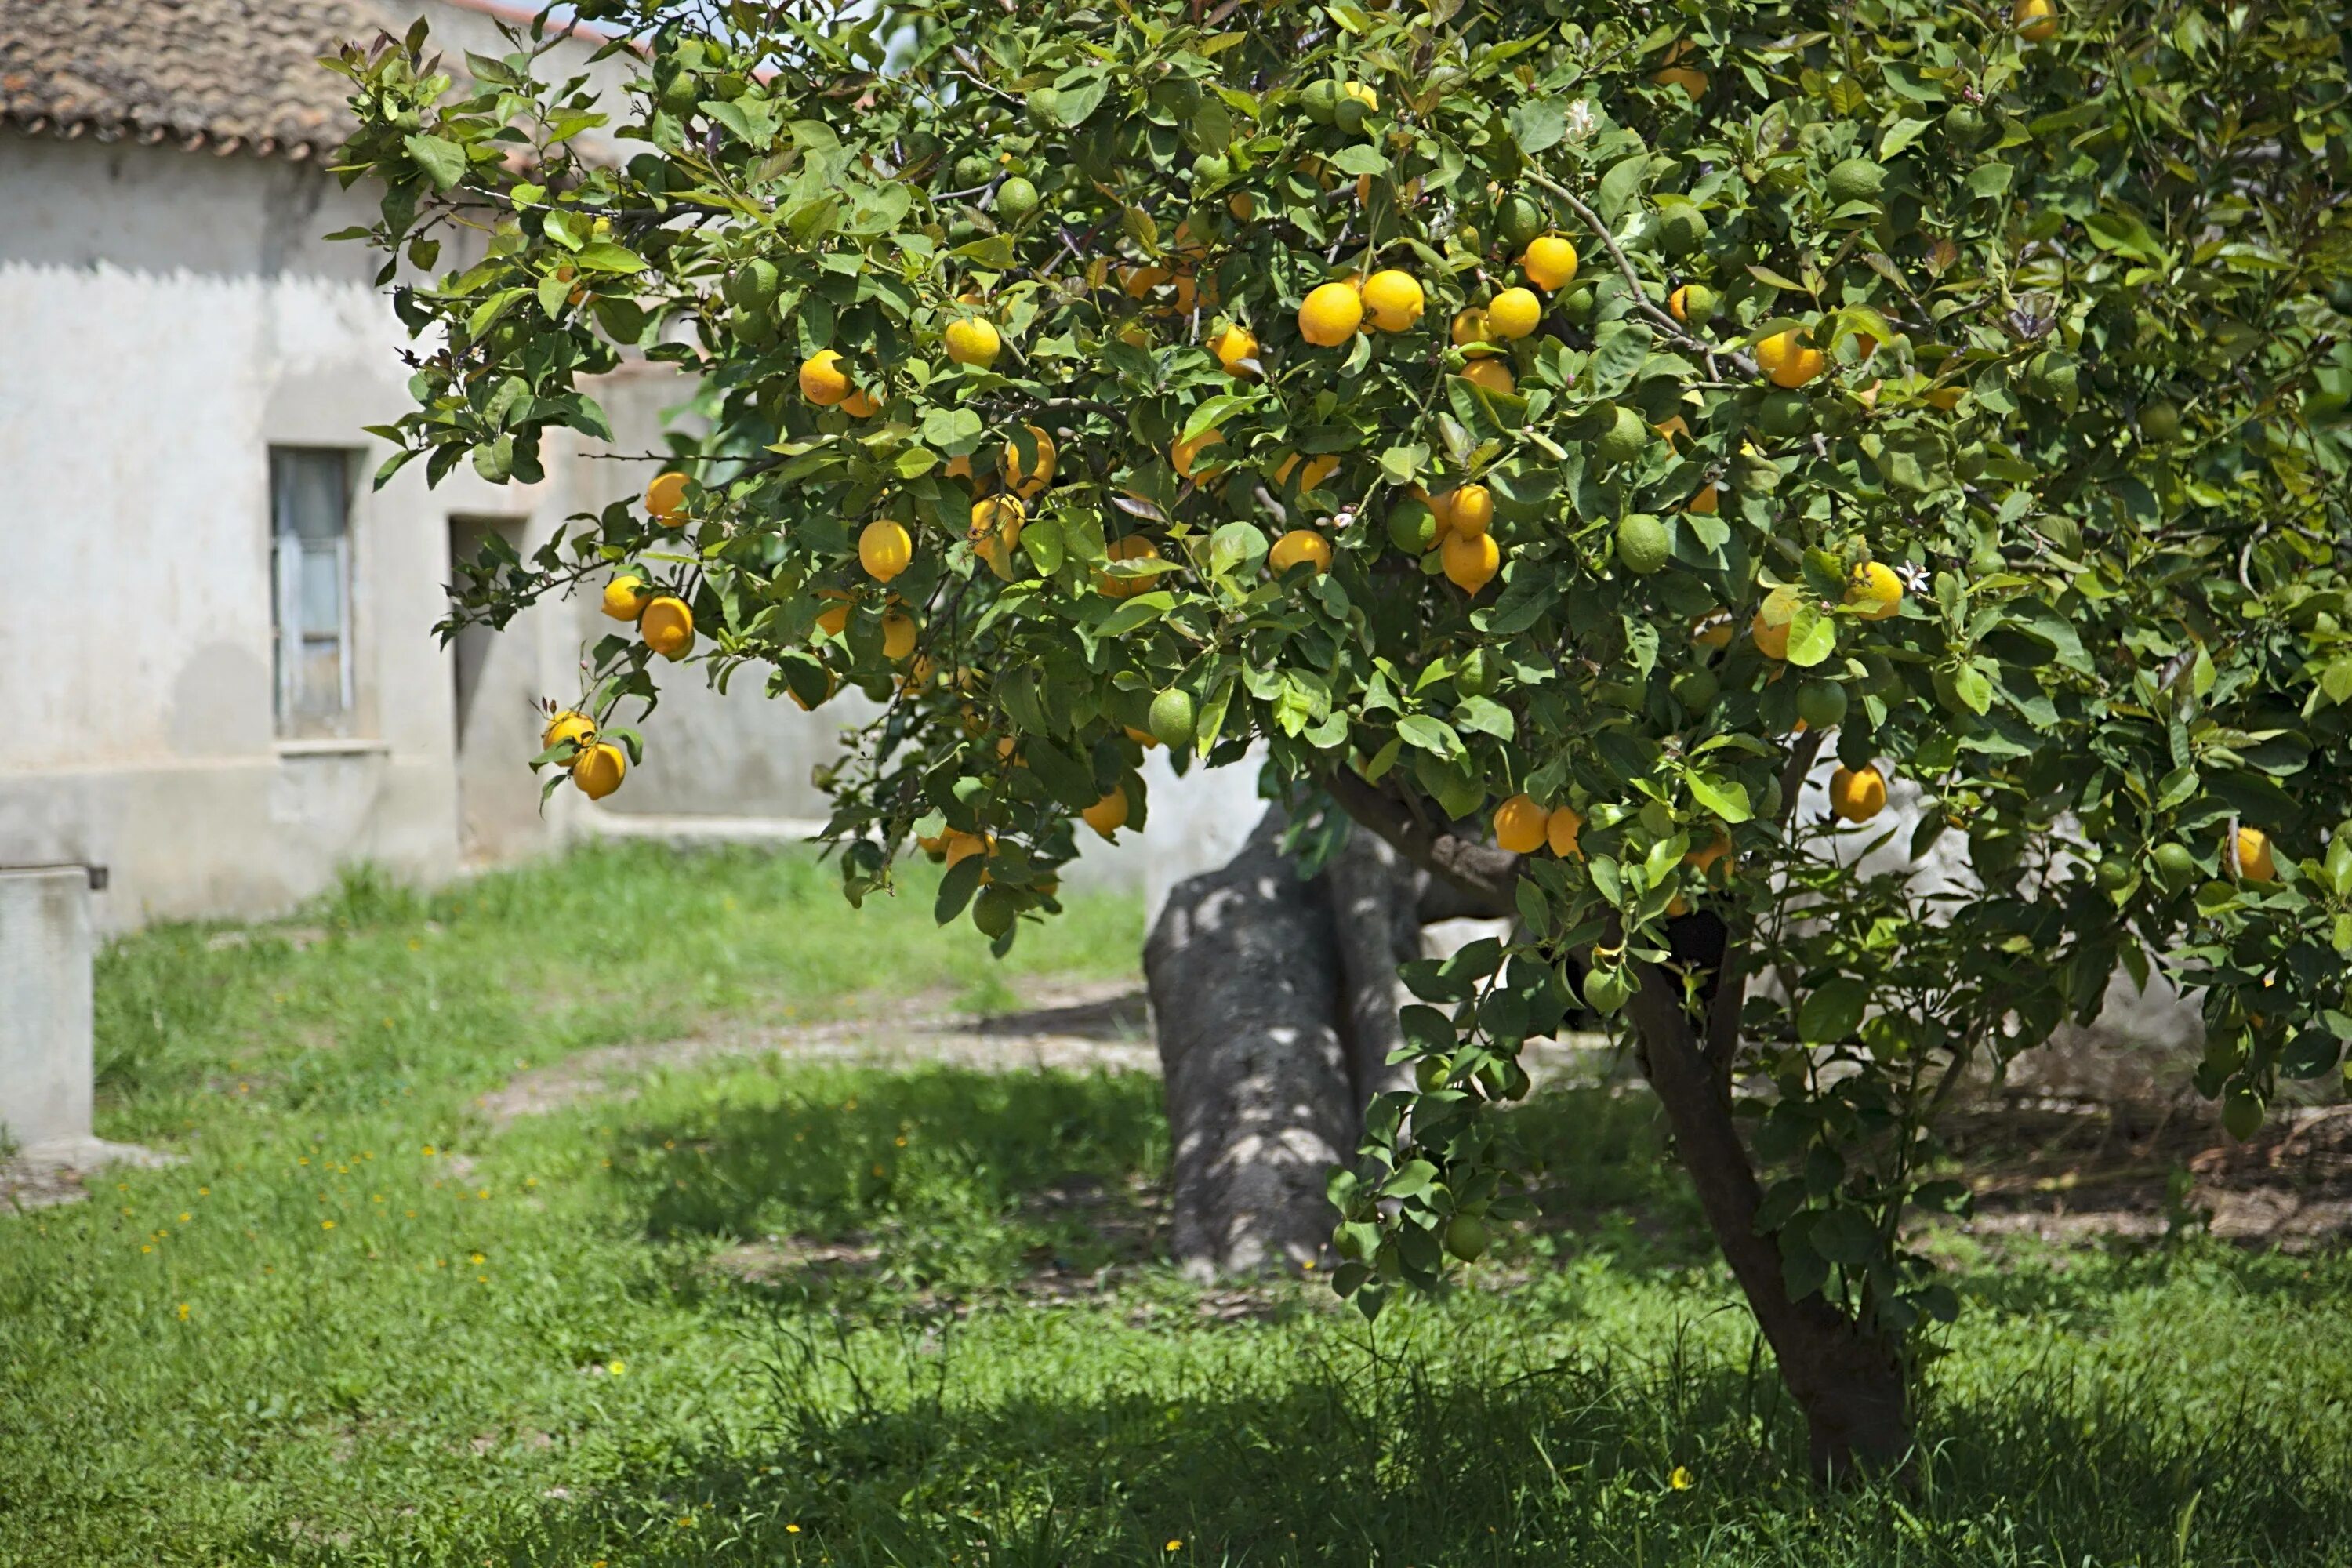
(769, 1314)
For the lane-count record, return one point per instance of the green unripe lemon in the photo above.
(1856, 179)
(995, 909)
(1577, 306)
(1431, 1074)
(1045, 108)
(1520, 223)
(973, 170)
(1963, 123)
(752, 286)
(1627, 435)
(1016, 198)
(1782, 414)
(1697, 690)
(2175, 866)
(1643, 546)
(1682, 227)
(1820, 704)
(2159, 423)
(1465, 1236)
(1604, 990)
(1413, 527)
(1170, 719)
(1321, 100)
(2241, 1114)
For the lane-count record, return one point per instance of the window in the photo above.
(310, 560)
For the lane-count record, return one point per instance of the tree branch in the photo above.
(1633, 280)
(1486, 877)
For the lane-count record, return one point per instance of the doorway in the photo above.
(495, 691)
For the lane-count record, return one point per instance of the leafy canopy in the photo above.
(2051, 534)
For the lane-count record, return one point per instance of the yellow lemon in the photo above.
(1707, 854)
(961, 844)
(998, 517)
(1299, 544)
(1394, 301)
(1109, 814)
(885, 549)
(1857, 795)
(1788, 362)
(1185, 454)
(835, 621)
(822, 381)
(665, 497)
(1317, 470)
(1330, 314)
(599, 770)
(1472, 509)
(1513, 313)
(1876, 589)
(1693, 82)
(861, 405)
(1493, 374)
(1025, 482)
(569, 725)
(1561, 829)
(668, 626)
(625, 598)
(897, 636)
(1470, 329)
(1471, 560)
(1519, 825)
(1708, 502)
(1771, 623)
(1234, 347)
(972, 340)
(1363, 95)
(2254, 862)
(1550, 262)
(2035, 20)
(1134, 547)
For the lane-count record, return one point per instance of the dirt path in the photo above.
(1086, 1026)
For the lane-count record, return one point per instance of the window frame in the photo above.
(289, 549)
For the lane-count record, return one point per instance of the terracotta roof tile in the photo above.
(230, 73)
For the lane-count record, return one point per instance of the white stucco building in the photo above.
(217, 675)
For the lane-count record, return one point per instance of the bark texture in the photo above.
(1275, 999)
(1851, 1383)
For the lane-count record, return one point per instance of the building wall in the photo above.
(173, 315)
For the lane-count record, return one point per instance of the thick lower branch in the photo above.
(1486, 878)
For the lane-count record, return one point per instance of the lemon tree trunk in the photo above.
(1275, 999)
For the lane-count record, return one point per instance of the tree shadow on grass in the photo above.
(931, 1176)
(1358, 1456)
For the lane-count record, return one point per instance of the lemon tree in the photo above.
(1556, 433)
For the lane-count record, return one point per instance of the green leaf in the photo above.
(1900, 134)
(956, 888)
(1845, 1236)
(443, 161)
(1620, 186)
(605, 256)
(1409, 1180)
(1487, 716)
(1813, 635)
(1432, 735)
(1619, 350)
(1537, 123)
(1725, 797)
(1834, 1011)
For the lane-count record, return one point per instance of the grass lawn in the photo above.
(759, 1311)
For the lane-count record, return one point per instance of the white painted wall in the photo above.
(165, 318)
(170, 316)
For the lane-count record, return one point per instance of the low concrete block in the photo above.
(45, 1004)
